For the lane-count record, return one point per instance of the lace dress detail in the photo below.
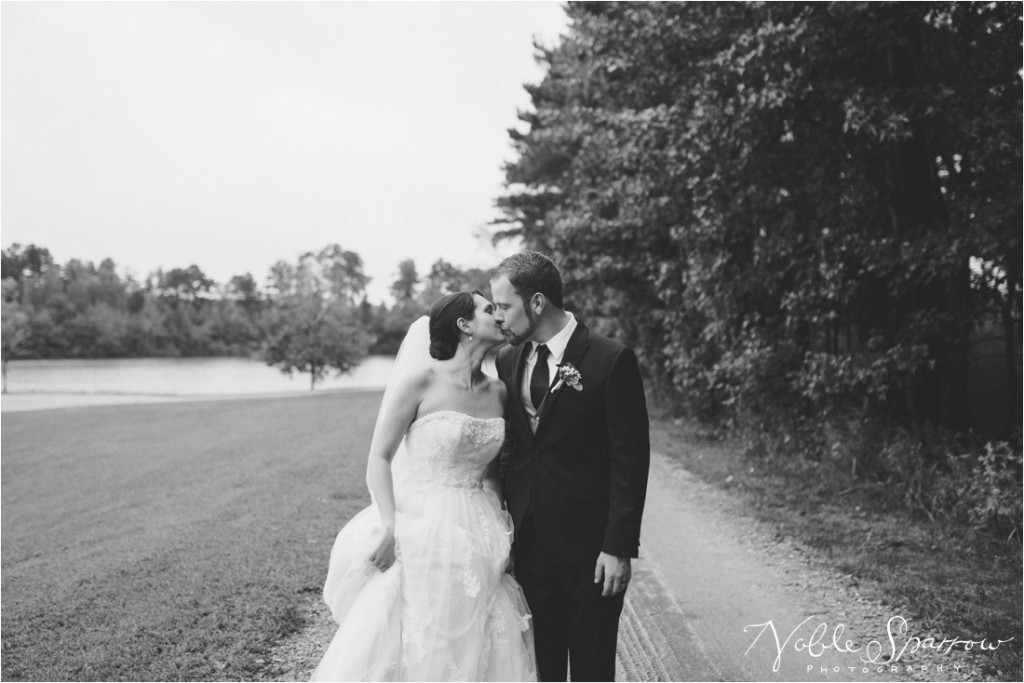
(447, 609)
(452, 449)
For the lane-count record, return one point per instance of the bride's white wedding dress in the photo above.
(446, 610)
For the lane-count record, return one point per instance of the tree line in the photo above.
(308, 316)
(805, 216)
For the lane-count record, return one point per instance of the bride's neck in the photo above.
(465, 365)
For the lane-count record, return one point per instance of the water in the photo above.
(179, 377)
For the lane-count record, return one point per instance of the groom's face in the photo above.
(515, 320)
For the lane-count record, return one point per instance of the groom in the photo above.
(577, 473)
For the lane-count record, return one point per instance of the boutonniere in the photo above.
(568, 374)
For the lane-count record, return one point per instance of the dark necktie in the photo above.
(541, 378)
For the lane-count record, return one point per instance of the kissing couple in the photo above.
(431, 583)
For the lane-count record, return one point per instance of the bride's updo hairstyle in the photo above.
(444, 318)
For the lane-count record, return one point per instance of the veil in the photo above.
(413, 356)
(349, 569)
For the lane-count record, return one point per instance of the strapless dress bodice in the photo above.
(453, 449)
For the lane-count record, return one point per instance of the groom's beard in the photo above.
(517, 339)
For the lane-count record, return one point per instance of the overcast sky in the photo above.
(232, 135)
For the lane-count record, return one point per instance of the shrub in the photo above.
(953, 479)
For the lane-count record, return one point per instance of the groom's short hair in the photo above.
(531, 272)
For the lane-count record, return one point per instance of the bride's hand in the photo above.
(384, 555)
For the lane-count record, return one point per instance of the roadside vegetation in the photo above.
(951, 577)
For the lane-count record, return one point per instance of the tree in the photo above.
(446, 278)
(244, 290)
(405, 286)
(312, 323)
(15, 326)
(390, 325)
(185, 284)
(18, 261)
(238, 314)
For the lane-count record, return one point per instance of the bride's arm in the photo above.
(493, 474)
(397, 416)
(492, 478)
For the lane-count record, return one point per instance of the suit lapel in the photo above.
(574, 352)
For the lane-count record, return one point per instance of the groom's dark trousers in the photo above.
(575, 487)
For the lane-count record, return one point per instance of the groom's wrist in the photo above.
(621, 551)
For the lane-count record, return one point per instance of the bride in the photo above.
(418, 581)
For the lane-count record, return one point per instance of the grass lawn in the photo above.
(947, 580)
(171, 541)
(176, 541)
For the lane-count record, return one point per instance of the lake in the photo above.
(179, 376)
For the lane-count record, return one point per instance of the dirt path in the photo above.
(706, 578)
(708, 584)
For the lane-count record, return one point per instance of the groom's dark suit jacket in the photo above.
(582, 477)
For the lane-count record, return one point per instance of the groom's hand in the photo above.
(614, 571)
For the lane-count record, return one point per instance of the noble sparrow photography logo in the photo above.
(871, 657)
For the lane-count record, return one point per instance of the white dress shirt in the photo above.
(556, 345)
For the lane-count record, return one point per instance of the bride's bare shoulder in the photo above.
(417, 381)
(497, 387)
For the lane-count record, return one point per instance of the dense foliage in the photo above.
(310, 316)
(80, 310)
(805, 216)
